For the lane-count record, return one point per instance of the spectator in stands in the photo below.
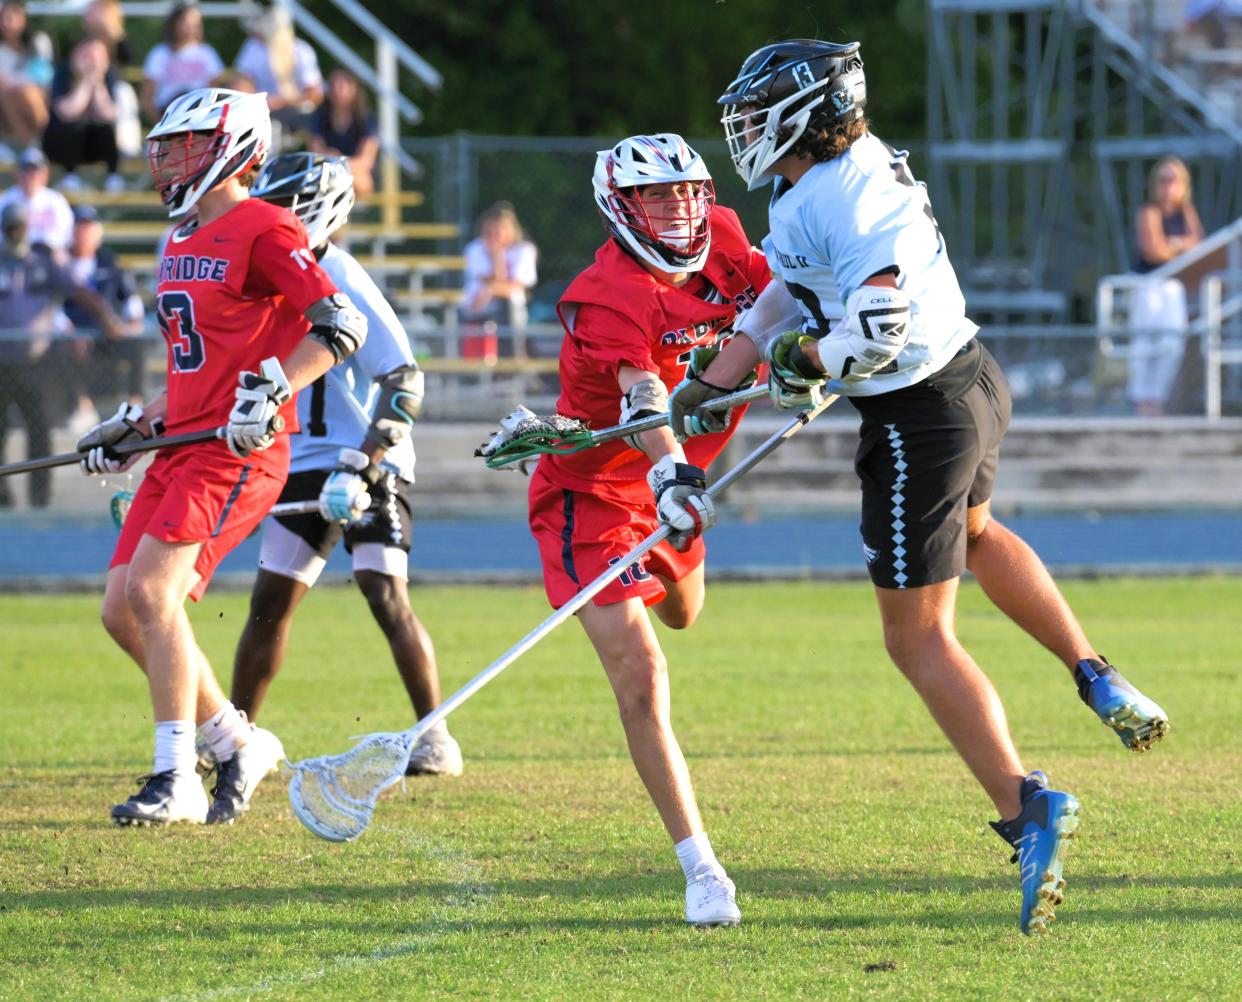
(32, 287)
(105, 20)
(1167, 225)
(1219, 21)
(499, 270)
(344, 127)
(182, 62)
(283, 66)
(110, 362)
(82, 127)
(49, 218)
(25, 73)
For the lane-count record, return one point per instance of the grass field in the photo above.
(857, 840)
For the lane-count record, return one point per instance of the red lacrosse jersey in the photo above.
(616, 313)
(230, 294)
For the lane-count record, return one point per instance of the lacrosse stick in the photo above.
(524, 434)
(124, 449)
(335, 795)
(121, 501)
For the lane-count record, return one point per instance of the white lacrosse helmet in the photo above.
(319, 190)
(204, 138)
(674, 234)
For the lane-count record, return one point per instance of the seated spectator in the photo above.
(1167, 225)
(283, 66)
(105, 20)
(345, 127)
(49, 219)
(106, 363)
(25, 73)
(499, 270)
(182, 62)
(82, 128)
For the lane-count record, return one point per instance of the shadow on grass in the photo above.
(843, 900)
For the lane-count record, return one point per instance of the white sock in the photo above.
(174, 747)
(694, 852)
(437, 735)
(226, 731)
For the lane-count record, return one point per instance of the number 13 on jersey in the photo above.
(176, 315)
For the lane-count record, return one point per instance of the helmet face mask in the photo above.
(318, 189)
(205, 138)
(656, 195)
(780, 93)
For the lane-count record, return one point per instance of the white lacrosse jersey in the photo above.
(854, 216)
(335, 411)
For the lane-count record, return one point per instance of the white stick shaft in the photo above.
(295, 508)
(601, 582)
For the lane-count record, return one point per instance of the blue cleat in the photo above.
(1138, 721)
(1039, 836)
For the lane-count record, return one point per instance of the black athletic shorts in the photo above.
(926, 454)
(388, 521)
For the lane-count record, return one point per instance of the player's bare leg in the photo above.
(683, 600)
(626, 643)
(121, 624)
(1015, 579)
(919, 635)
(437, 752)
(261, 647)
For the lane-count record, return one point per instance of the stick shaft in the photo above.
(734, 399)
(600, 583)
(124, 449)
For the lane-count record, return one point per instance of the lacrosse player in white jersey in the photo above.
(355, 440)
(849, 220)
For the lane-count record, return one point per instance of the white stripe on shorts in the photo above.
(898, 498)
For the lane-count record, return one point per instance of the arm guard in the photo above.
(398, 407)
(337, 325)
(645, 398)
(774, 312)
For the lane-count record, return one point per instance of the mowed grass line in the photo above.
(858, 842)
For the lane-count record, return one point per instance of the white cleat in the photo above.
(711, 899)
(165, 798)
(437, 754)
(238, 777)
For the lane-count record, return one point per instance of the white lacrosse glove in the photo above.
(345, 495)
(682, 501)
(875, 328)
(793, 380)
(97, 445)
(508, 428)
(255, 420)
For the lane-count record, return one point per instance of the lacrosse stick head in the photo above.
(119, 506)
(335, 795)
(525, 434)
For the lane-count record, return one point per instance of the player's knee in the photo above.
(271, 604)
(678, 615)
(638, 682)
(977, 521)
(388, 596)
(912, 647)
(116, 617)
(150, 600)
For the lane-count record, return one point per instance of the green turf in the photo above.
(856, 838)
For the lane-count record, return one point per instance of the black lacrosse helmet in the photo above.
(781, 91)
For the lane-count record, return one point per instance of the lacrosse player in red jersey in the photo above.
(666, 286)
(249, 318)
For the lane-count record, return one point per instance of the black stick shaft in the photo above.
(125, 449)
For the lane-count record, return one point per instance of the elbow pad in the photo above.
(399, 405)
(337, 325)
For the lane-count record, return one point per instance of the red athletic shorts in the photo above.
(204, 494)
(581, 535)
